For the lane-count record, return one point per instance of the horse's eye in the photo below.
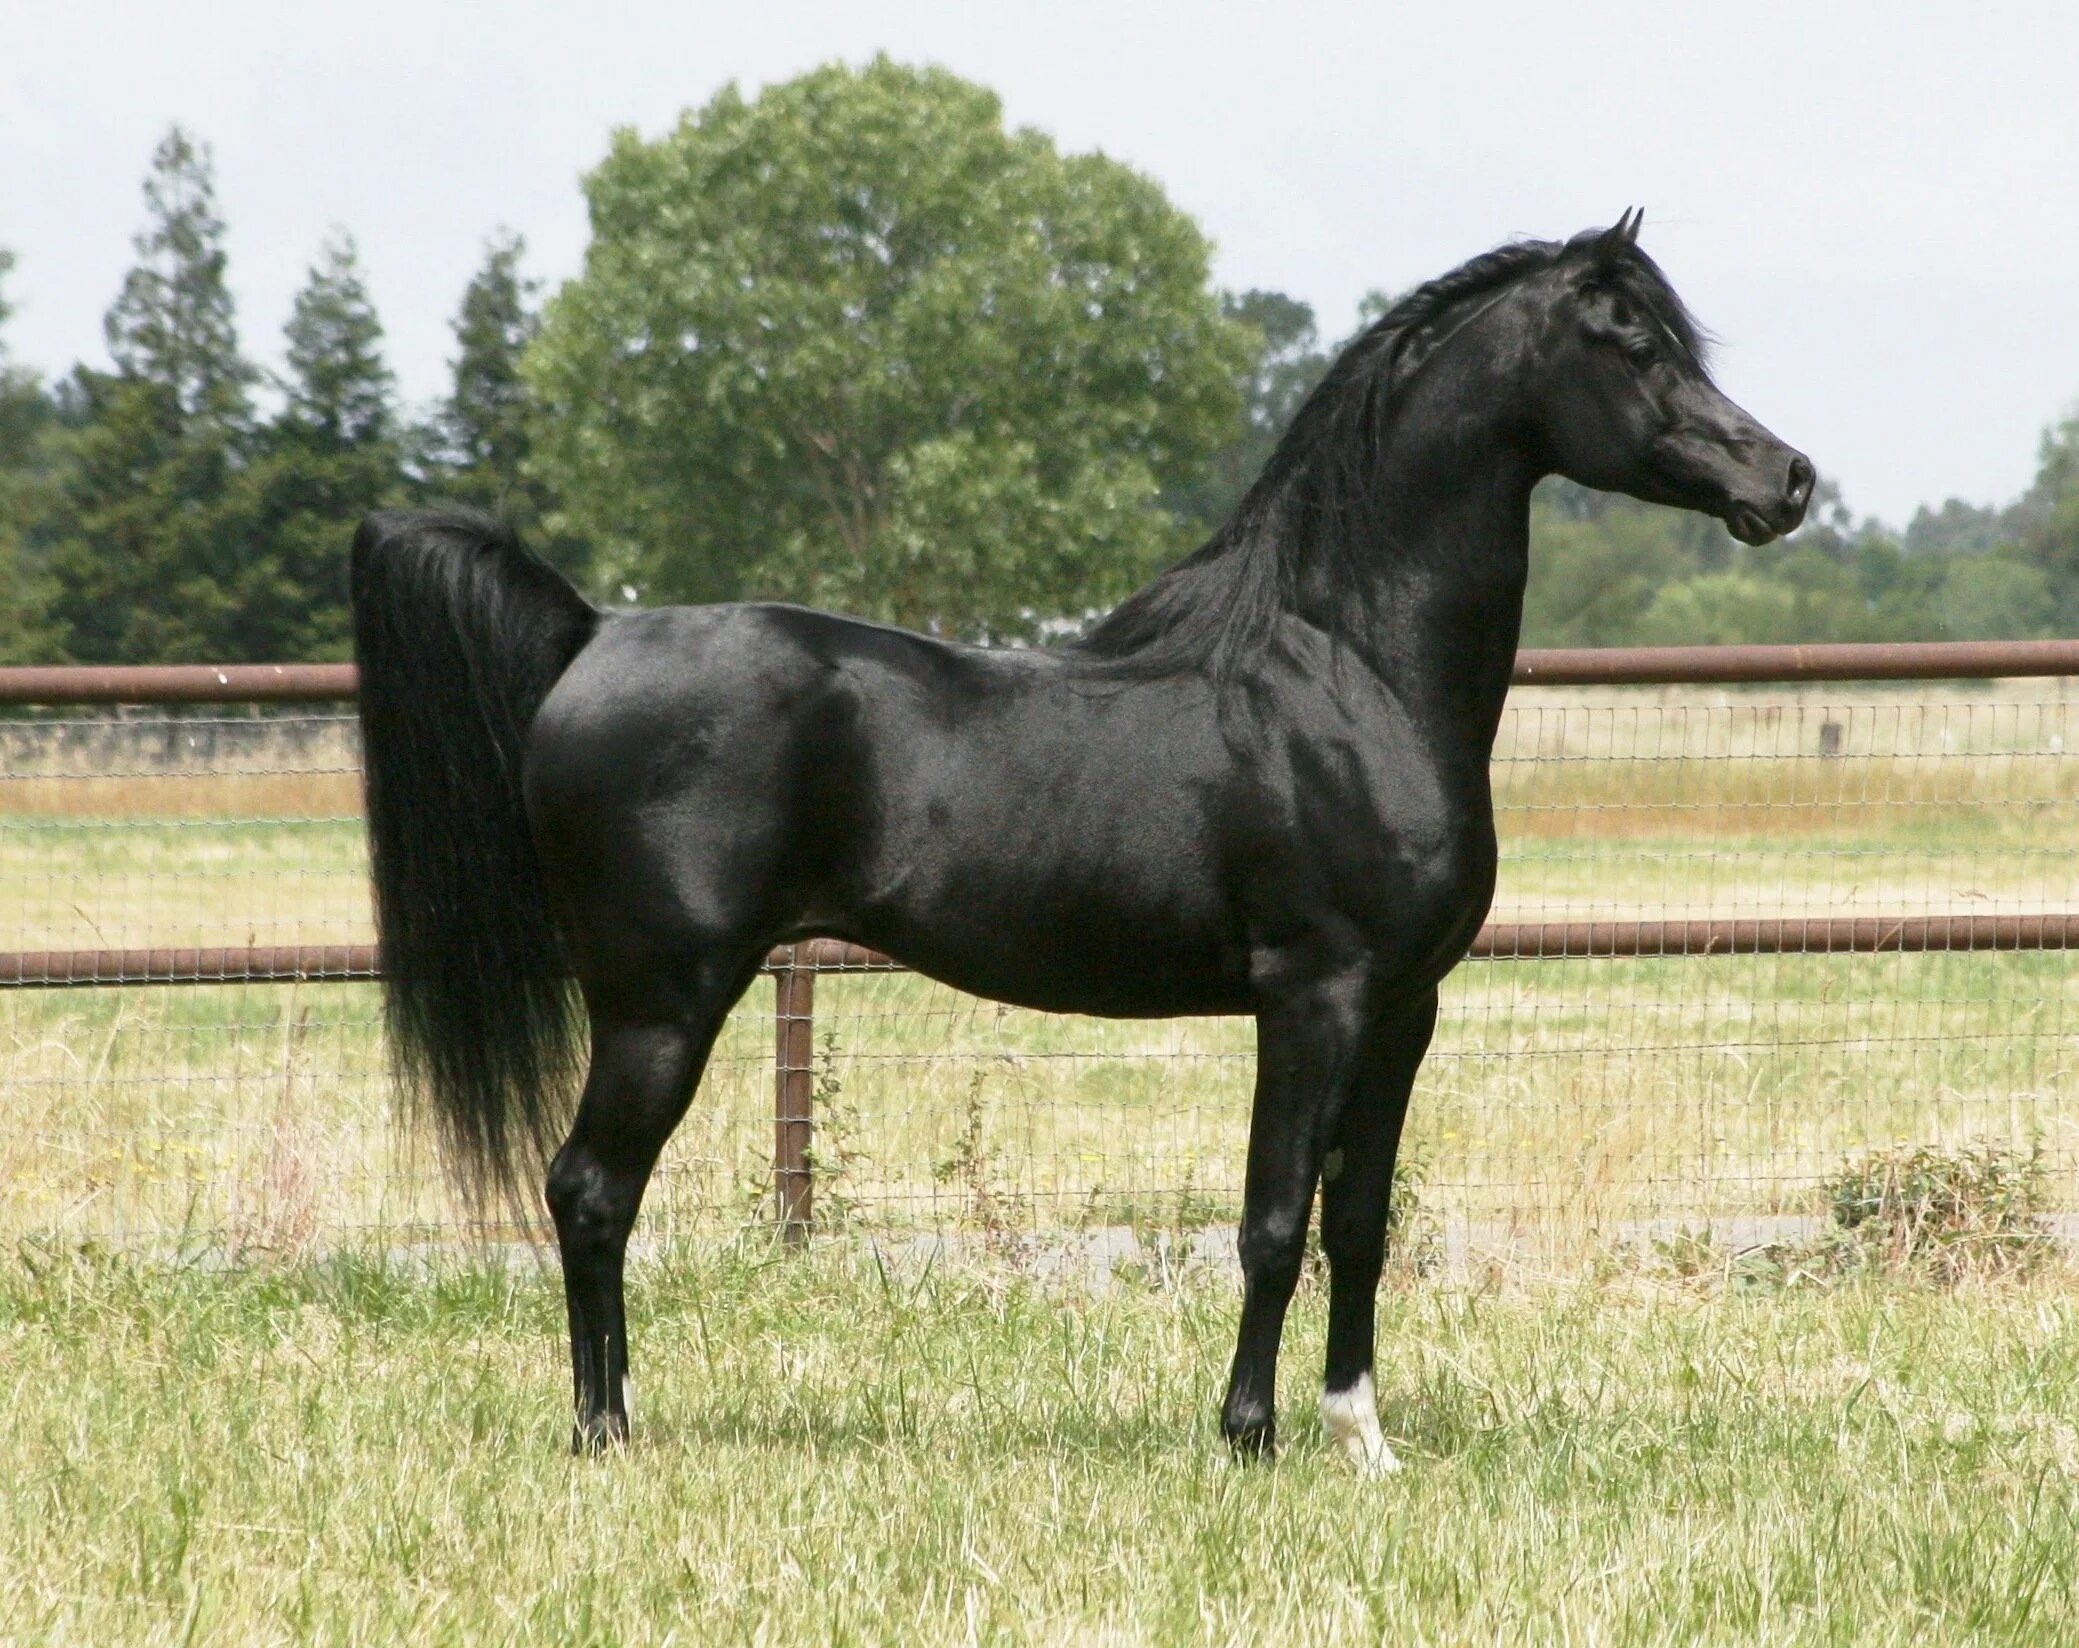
(1641, 351)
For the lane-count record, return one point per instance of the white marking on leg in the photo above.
(628, 1400)
(1351, 1418)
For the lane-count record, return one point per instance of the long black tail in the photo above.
(460, 633)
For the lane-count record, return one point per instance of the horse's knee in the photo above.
(1272, 1250)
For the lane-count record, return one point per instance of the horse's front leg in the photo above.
(1308, 1036)
(1356, 1197)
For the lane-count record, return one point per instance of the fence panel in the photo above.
(1565, 1096)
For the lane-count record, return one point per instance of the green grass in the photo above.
(352, 1453)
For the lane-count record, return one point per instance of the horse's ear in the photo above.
(1619, 238)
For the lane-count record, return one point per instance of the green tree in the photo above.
(338, 393)
(1717, 609)
(855, 343)
(479, 447)
(1598, 560)
(173, 324)
(146, 558)
(330, 457)
(28, 430)
(483, 433)
(1283, 367)
(1995, 597)
(1956, 526)
(2044, 523)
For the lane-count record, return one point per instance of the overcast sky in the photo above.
(1875, 206)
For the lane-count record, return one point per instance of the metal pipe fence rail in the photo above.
(1760, 908)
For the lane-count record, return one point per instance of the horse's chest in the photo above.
(1406, 857)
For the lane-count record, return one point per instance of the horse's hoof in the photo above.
(1351, 1418)
(590, 1438)
(1255, 1444)
(1373, 1464)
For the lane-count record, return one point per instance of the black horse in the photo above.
(1259, 786)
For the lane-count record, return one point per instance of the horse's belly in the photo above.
(1154, 981)
(1145, 957)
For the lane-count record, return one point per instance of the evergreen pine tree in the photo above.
(28, 425)
(173, 323)
(330, 457)
(339, 392)
(483, 426)
(482, 439)
(148, 555)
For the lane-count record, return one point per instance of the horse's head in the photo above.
(1623, 401)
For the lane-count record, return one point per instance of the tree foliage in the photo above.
(482, 432)
(339, 394)
(186, 527)
(173, 324)
(1283, 365)
(145, 560)
(1612, 571)
(478, 448)
(854, 343)
(329, 457)
(28, 440)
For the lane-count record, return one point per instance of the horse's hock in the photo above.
(1761, 911)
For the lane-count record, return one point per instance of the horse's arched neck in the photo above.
(1442, 554)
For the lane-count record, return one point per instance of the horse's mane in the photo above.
(1321, 492)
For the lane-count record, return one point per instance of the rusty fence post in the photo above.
(793, 1091)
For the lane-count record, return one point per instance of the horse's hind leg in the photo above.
(643, 1074)
(1356, 1193)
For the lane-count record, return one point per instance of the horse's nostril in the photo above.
(1801, 479)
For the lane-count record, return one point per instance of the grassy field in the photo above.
(256, 1392)
(830, 1452)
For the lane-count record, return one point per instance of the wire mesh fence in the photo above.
(1567, 1097)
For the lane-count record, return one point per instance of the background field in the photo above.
(1565, 1100)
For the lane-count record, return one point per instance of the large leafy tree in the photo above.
(853, 342)
(1597, 560)
(147, 555)
(1284, 364)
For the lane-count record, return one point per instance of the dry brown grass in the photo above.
(186, 795)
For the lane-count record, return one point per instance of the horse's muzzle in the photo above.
(1758, 523)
